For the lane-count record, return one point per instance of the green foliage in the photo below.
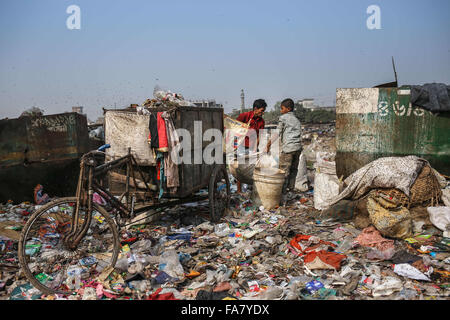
(320, 116)
(271, 116)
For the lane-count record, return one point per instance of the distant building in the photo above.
(331, 108)
(307, 103)
(211, 103)
(78, 109)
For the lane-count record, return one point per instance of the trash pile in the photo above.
(32, 112)
(318, 138)
(163, 98)
(290, 252)
(382, 233)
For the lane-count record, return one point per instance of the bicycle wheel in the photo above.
(46, 261)
(219, 193)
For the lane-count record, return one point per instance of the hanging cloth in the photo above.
(171, 169)
(157, 137)
(162, 134)
(153, 139)
(161, 175)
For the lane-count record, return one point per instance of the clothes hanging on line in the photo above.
(164, 140)
(157, 137)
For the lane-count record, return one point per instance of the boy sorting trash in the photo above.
(256, 122)
(289, 132)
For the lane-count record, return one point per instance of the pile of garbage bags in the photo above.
(388, 190)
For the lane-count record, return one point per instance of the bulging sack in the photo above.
(391, 221)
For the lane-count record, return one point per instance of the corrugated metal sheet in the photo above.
(44, 150)
(43, 139)
(379, 122)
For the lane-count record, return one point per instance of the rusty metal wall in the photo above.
(43, 150)
(43, 139)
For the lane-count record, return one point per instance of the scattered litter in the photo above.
(254, 252)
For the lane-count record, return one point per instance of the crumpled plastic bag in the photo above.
(169, 263)
(243, 167)
(222, 230)
(266, 161)
(407, 270)
(157, 295)
(375, 254)
(387, 287)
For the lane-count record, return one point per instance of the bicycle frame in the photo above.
(87, 185)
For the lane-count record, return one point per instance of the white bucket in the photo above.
(267, 187)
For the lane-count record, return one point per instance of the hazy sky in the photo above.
(212, 49)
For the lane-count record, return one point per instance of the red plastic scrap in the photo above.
(323, 260)
(129, 240)
(157, 296)
(317, 258)
(300, 237)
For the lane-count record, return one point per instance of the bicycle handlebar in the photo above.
(104, 147)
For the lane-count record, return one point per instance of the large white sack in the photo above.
(301, 181)
(326, 187)
(446, 196)
(440, 217)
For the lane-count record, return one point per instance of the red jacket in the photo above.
(256, 123)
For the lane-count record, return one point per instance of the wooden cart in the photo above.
(126, 131)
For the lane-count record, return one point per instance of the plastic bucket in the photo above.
(267, 187)
(242, 168)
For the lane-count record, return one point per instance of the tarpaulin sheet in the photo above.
(434, 97)
(388, 172)
(124, 130)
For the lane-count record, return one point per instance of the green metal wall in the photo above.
(380, 122)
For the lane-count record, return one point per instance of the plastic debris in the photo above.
(252, 253)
